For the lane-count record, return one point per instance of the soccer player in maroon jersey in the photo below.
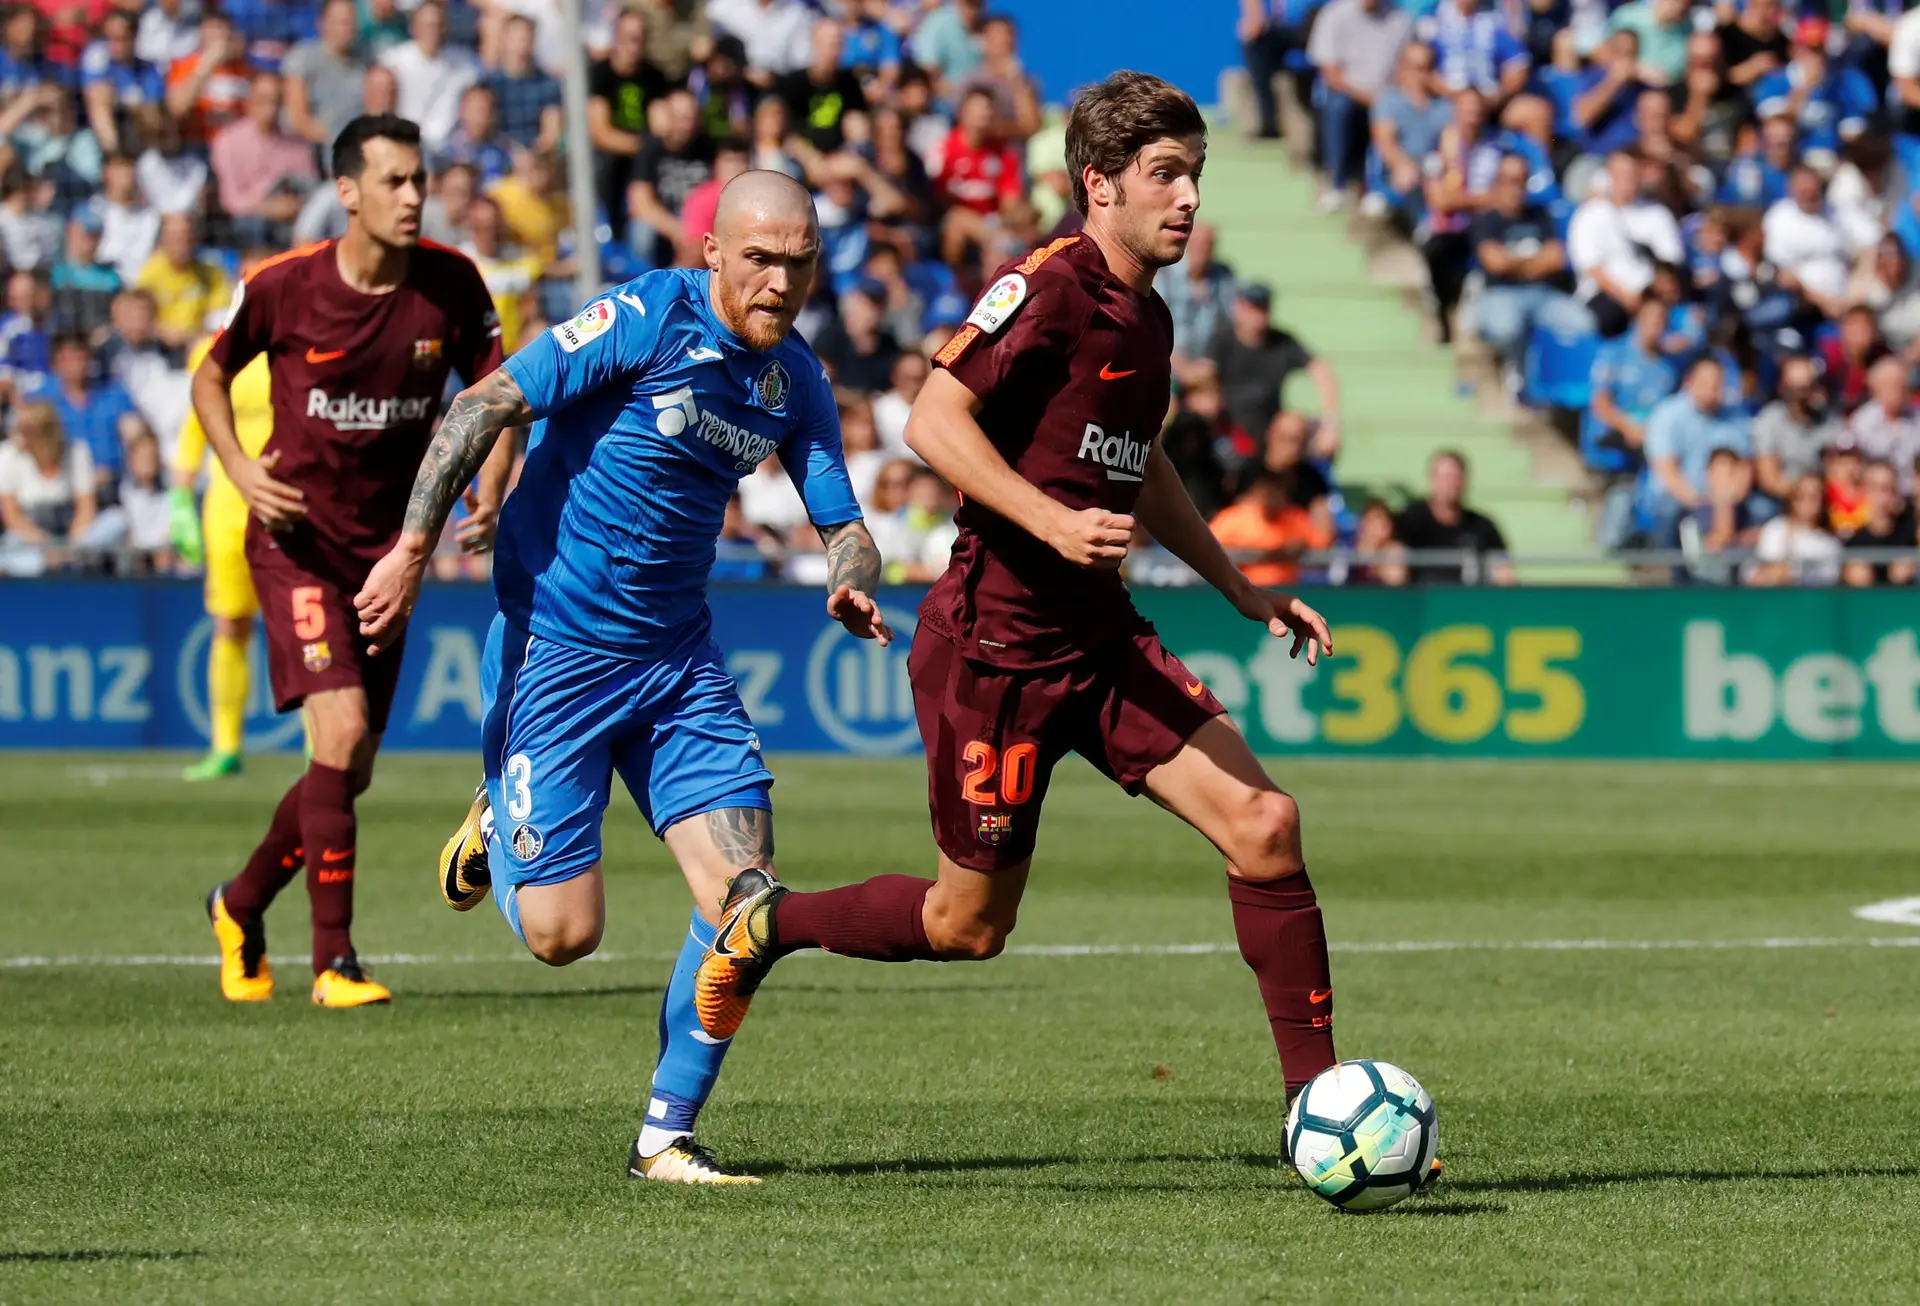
(1044, 413)
(360, 334)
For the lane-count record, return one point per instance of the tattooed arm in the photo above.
(853, 574)
(466, 436)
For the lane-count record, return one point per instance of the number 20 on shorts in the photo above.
(1015, 766)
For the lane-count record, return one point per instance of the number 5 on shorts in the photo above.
(1016, 767)
(309, 618)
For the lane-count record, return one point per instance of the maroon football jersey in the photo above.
(357, 382)
(1072, 370)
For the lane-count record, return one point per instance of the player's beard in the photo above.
(759, 330)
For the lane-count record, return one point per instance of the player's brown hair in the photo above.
(1113, 120)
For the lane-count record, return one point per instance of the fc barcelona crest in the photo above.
(772, 387)
(994, 827)
(317, 656)
(426, 354)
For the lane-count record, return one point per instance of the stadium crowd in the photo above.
(1692, 228)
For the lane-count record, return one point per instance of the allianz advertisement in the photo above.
(1510, 673)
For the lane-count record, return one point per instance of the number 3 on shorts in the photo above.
(309, 618)
(520, 791)
(1016, 767)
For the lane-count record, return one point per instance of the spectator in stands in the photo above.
(143, 499)
(444, 217)
(1829, 102)
(1614, 242)
(978, 170)
(1191, 442)
(730, 159)
(1849, 355)
(509, 272)
(905, 313)
(1383, 556)
(1287, 450)
(264, 174)
(1016, 101)
(886, 515)
(47, 499)
(207, 89)
(1198, 291)
(1791, 434)
(477, 143)
(26, 345)
(873, 47)
(1458, 185)
(1681, 434)
(1753, 45)
(1847, 506)
(172, 177)
(1797, 547)
(1443, 522)
(1889, 525)
(947, 43)
(861, 444)
(1887, 426)
(169, 30)
(1603, 112)
(858, 346)
(30, 234)
(930, 531)
(774, 32)
(669, 166)
(1903, 68)
(23, 57)
(744, 551)
(720, 85)
(1519, 251)
(1407, 123)
(125, 95)
(910, 372)
(620, 90)
(533, 201)
(92, 414)
(1355, 45)
(1252, 359)
(822, 96)
(187, 290)
(326, 77)
(431, 74)
(1724, 521)
(132, 356)
(83, 287)
(894, 159)
(1710, 109)
(1887, 285)
(1265, 532)
(527, 97)
(1809, 248)
(1662, 28)
(774, 145)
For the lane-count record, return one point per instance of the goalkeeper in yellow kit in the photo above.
(216, 534)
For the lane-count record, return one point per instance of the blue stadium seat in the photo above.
(1558, 371)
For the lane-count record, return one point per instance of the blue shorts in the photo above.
(560, 721)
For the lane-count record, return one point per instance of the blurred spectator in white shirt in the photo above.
(910, 373)
(1806, 244)
(432, 75)
(777, 34)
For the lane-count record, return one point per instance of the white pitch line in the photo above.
(1092, 950)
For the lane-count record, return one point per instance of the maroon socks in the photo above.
(274, 862)
(1284, 943)
(878, 920)
(328, 832)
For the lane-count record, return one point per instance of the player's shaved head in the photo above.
(763, 251)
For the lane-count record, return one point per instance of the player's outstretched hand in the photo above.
(1284, 615)
(475, 534)
(386, 600)
(277, 504)
(859, 614)
(1093, 537)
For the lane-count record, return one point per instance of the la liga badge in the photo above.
(999, 303)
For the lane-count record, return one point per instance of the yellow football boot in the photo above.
(465, 876)
(244, 973)
(742, 952)
(344, 984)
(684, 1162)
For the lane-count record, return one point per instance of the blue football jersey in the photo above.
(652, 410)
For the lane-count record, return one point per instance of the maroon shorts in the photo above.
(313, 640)
(992, 735)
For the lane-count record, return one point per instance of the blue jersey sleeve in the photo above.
(612, 337)
(814, 461)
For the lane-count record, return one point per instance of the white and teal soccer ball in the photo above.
(1363, 1135)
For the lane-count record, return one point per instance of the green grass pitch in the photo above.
(1684, 1123)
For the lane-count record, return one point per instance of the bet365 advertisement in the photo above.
(1509, 673)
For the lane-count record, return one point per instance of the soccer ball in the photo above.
(1363, 1135)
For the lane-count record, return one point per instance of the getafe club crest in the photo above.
(526, 843)
(426, 353)
(772, 387)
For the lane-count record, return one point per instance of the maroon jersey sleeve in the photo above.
(249, 324)
(476, 346)
(1022, 323)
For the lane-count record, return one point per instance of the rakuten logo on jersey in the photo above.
(352, 413)
(678, 411)
(1124, 457)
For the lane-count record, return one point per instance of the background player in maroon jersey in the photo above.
(360, 334)
(1045, 415)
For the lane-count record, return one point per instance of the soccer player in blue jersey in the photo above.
(651, 404)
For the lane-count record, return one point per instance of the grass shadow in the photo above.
(917, 1165)
(1577, 1181)
(93, 1254)
(1441, 1206)
(542, 995)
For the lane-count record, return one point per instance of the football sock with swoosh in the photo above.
(876, 920)
(688, 1065)
(1284, 942)
(227, 693)
(328, 830)
(275, 861)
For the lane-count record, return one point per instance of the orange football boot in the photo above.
(244, 973)
(741, 954)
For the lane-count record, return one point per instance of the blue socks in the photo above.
(689, 1061)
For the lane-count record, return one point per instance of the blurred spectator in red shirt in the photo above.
(703, 201)
(977, 169)
(1849, 356)
(208, 89)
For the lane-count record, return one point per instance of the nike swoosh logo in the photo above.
(336, 855)
(1319, 995)
(1195, 688)
(1108, 374)
(315, 356)
(701, 1036)
(704, 355)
